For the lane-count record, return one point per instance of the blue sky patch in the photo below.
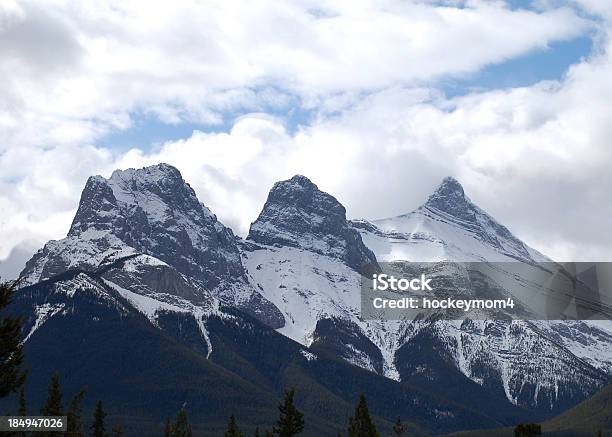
(548, 64)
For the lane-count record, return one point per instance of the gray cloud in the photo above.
(14, 263)
(38, 40)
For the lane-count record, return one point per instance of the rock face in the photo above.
(450, 200)
(142, 244)
(448, 226)
(151, 211)
(153, 290)
(147, 356)
(298, 261)
(298, 214)
(534, 364)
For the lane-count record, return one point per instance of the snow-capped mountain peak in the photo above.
(153, 211)
(448, 226)
(142, 233)
(157, 192)
(450, 198)
(297, 214)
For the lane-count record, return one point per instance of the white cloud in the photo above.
(537, 158)
(72, 70)
(383, 137)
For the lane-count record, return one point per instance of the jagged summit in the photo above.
(450, 198)
(157, 191)
(162, 179)
(447, 226)
(299, 191)
(156, 171)
(165, 256)
(151, 210)
(301, 180)
(298, 214)
(449, 188)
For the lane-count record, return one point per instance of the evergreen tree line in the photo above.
(13, 376)
(54, 406)
(290, 423)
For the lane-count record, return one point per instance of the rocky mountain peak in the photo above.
(300, 192)
(156, 191)
(151, 210)
(162, 179)
(450, 198)
(450, 203)
(302, 180)
(449, 187)
(298, 214)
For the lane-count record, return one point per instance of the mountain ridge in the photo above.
(447, 216)
(299, 273)
(298, 214)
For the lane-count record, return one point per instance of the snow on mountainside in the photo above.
(447, 227)
(315, 289)
(152, 211)
(304, 257)
(308, 287)
(151, 304)
(146, 237)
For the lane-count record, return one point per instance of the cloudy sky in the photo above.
(374, 100)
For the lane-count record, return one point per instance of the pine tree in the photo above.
(97, 428)
(117, 431)
(53, 406)
(75, 416)
(181, 427)
(256, 432)
(22, 402)
(362, 425)
(12, 376)
(168, 432)
(20, 412)
(291, 420)
(399, 428)
(232, 428)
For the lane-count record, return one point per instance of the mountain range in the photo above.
(154, 304)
